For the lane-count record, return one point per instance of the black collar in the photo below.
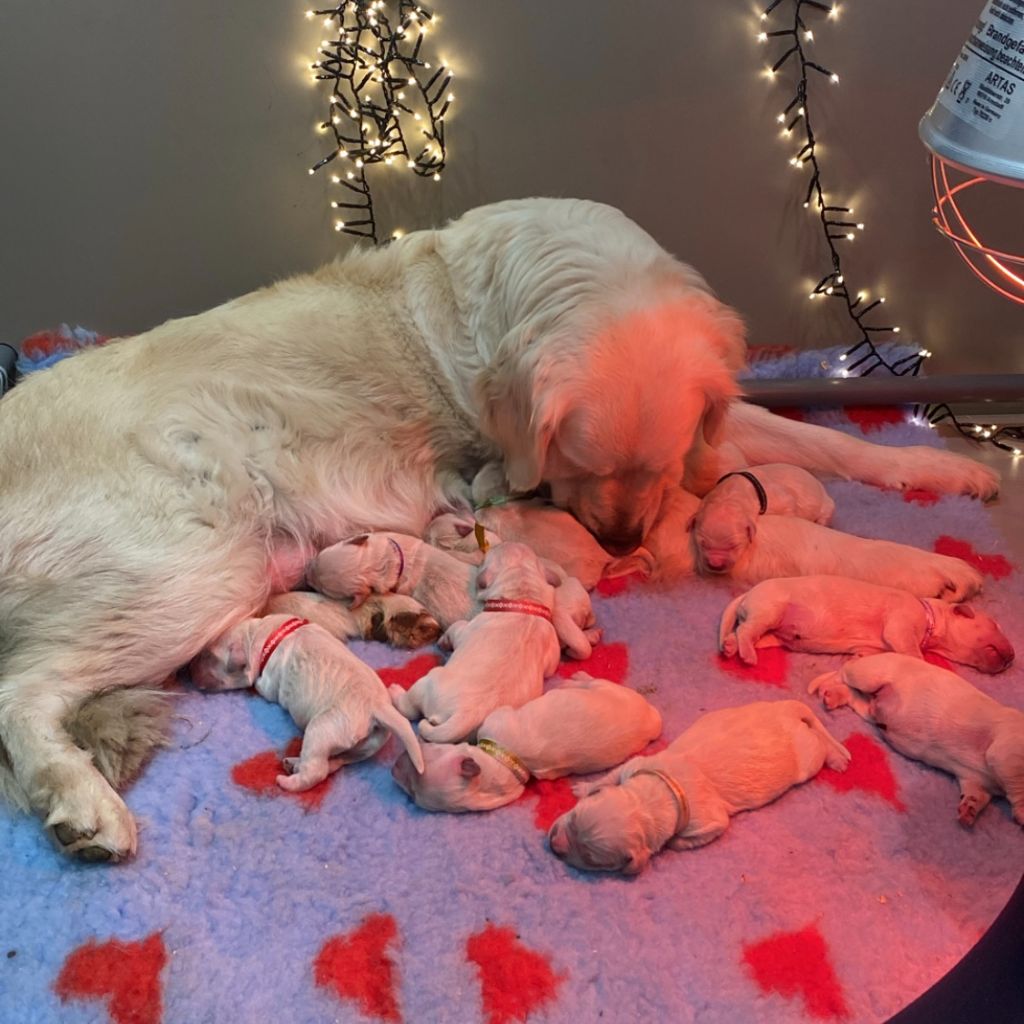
(762, 497)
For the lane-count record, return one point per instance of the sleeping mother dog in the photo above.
(154, 490)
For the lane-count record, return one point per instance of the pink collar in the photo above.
(524, 607)
(929, 628)
(286, 629)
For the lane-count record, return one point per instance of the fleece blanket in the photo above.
(843, 900)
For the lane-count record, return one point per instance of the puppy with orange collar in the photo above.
(501, 656)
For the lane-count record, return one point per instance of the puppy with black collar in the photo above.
(726, 522)
(728, 761)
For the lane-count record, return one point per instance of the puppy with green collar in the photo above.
(728, 761)
(586, 725)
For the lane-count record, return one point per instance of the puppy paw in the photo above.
(93, 827)
(730, 646)
(968, 810)
(835, 695)
(838, 758)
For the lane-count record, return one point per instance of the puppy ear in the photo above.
(751, 532)
(554, 574)
(690, 524)
(359, 597)
(463, 529)
(358, 541)
(468, 768)
(963, 609)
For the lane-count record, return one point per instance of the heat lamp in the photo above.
(975, 134)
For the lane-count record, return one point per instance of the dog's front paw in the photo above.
(730, 646)
(835, 695)
(93, 826)
(919, 466)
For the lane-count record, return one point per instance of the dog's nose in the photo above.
(621, 542)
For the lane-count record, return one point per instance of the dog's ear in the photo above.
(963, 609)
(359, 597)
(468, 768)
(554, 574)
(463, 529)
(691, 523)
(751, 532)
(358, 541)
(517, 412)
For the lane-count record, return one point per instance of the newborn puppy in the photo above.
(339, 701)
(726, 762)
(500, 657)
(553, 533)
(833, 615)
(726, 522)
(786, 546)
(573, 615)
(379, 563)
(936, 717)
(586, 725)
(390, 618)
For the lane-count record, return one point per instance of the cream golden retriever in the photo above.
(151, 490)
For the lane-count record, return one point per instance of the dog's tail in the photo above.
(392, 719)
(729, 619)
(119, 728)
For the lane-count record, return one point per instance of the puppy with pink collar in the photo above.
(501, 656)
(586, 725)
(338, 701)
(836, 615)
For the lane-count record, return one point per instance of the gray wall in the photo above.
(155, 154)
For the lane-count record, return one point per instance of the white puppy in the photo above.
(379, 563)
(553, 533)
(833, 615)
(936, 717)
(728, 761)
(338, 700)
(586, 725)
(500, 657)
(726, 522)
(390, 618)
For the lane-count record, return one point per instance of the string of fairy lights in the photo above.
(785, 23)
(388, 104)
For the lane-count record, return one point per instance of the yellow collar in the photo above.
(682, 806)
(507, 758)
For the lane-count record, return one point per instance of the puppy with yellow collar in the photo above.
(586, 725)
(728, 761)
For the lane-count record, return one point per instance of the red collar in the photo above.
(524, 607)
(286, 629)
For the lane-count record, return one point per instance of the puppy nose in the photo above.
(558, 841)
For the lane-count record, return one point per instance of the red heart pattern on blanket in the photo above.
(259, 775)
(874, 417)
(869, 771)
(514, 979)
(125, 974)
(554, 797)
(618, 585)
(607, 661)
(772, 667)
(798, 964)
(407, 674)
(358, 967)
(995, 566)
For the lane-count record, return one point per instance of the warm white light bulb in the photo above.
(849, 237)
(339, 225)
(335, 179)
(860, 227)
(437, 177)
(762, 37)
(895, 330)
(842, 358)
(808, 34)
(835, 79)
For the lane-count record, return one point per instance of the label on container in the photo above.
(985, 87)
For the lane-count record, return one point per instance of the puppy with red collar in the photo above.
(835, 615)
(501, 656)
(338, 700)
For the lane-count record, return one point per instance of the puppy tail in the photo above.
(837, 757)
(728, 624)
(392, 719)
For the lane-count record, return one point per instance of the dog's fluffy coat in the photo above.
(148, 484)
